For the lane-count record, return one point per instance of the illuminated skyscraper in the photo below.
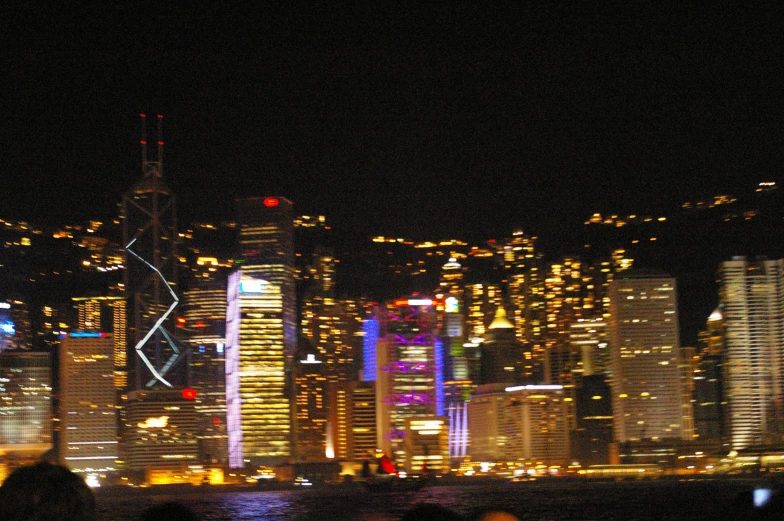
(645, 359)
(310, 408)
(328, 323)
(261, 334)
(752, 301)
(107, 314)
(267, 253)
(88, 398)
(351, 425)
(564, 300)
(204, 327)
(160, 430)
(25, 400)
(150, 238)
(504, 359)
(482, 299)
(409, 369)
(518, 423)
(258, 406)
(710, 406)
(525, 282)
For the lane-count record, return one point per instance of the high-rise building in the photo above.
(588, 337)
(267, 253)
(645, 359)
(504, 359)
(258, 406)
(261, 334)
(351, 426)
(160, 430)
(525, 283)
(25, 404)
(710, 405)
(524, 423)
(151, 239)
(107, 314)
(409, 369)
(752, 302)
(329, 323)
(564, 301)
(88, 403)
(203, 317)
(310, 405)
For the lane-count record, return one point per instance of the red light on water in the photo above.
(270, 202)
(189, 394)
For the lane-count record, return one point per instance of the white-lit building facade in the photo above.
(752, 305)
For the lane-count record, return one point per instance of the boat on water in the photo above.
(387, 479)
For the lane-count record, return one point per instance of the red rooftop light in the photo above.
(271, 201)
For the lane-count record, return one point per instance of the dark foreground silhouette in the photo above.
(44, 492)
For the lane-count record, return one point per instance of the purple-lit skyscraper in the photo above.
(409, 369)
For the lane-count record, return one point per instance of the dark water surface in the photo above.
(541, 501)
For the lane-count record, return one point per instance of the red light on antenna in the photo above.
(143, 115)
(189, 394)
(143, 142)
(160, 116)
(160, 143)
(270, 202)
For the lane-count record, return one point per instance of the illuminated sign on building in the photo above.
(413, 302)
(189, 394)
(154, 423)
(451, 305)
(542, 387)
(86, 334)
(252, 286)
(7, 327)
(5, 305)
(269, 202)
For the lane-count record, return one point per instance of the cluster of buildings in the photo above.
(541, 368)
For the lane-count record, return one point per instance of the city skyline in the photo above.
(483, 119)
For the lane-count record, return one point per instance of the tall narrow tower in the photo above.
(149, 217)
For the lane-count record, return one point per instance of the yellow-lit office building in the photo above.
(88, 403)
(258, 408)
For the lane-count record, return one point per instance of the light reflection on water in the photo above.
(635, 501)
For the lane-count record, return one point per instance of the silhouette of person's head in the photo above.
(169, 511)
(430, 512)
(43, 492)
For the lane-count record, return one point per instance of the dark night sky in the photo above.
(424, 121)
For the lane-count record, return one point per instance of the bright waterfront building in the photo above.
(261, 334)
(752, 304)
(88, 403)
(645, 359)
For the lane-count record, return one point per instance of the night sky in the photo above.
(392, 118)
